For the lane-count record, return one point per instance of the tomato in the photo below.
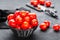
(19, 20)
(12, 23)
(34, 22)
(30, 27)
(42, 2)
(18, 27)
(34, 3)
(43, 26)
(47, 23)
(16, 13)
(27, 18)
(48, 3)
(23, 13)
(56, 27)
(10, 16)
(25, 25)
(32, 15)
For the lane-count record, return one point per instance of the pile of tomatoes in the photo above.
(22, 20)
(35, 3)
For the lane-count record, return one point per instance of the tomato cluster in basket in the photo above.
(35, 3)
(23, 20)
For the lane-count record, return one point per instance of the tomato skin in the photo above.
(42, 2)
(10, 16)
(34, 22)
(34, 3)
(47, 23)
(18, 27)
(17, 13)
(56, 27)
(25, 25)
(27, 18)
(23, 13)
(18, 20)
(32, 15)
(12, 23)
(43, 26)
(48, 3)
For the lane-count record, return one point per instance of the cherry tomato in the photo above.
(43, 26)
(42, 2)
(34, 3)
(23, 13)
(16, 13)
(56, 27)
(10, 16)
(30, 27)
(18, 27)
(12, 23)
(47, 23)
(19, 20)
(34, 22)
(32, 15)
(48, 3)
(27, 18)
(25, 25)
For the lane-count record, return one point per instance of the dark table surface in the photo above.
(7, 34)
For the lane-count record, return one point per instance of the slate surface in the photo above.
(7, 34)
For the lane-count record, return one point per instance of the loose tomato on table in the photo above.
(47, 23)
(48, 3)
(56, 27)
(34, 3)
(10, 16)
(43, 26)
(42, 2)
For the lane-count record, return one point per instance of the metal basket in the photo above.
(23, 33)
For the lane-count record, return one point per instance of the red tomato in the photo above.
(42, 2)
(12, 23)
(30, 27)
(27, 18)
(56, 27)
(34, 22)
(16, 13)
(48, 3)
(19, 20)
(34, 3)
(32, 15)
(23, 13)
(47, 23)
(10, 16)
(43, 26)
(25, 25)
(18, 27)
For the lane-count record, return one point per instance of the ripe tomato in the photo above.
(16, 13)
(43, 26)
(10, 16)
(34, 3)
(25, 25)
(23, 13)
(30, 27)
(18, 27)
(12, 23)
(34, 22)
(19, 20)
(42, 2)
(47, 23)
(48, 3)
(32, 15)
(27, 18)
(56, 27)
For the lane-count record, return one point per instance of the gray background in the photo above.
(6, 34)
